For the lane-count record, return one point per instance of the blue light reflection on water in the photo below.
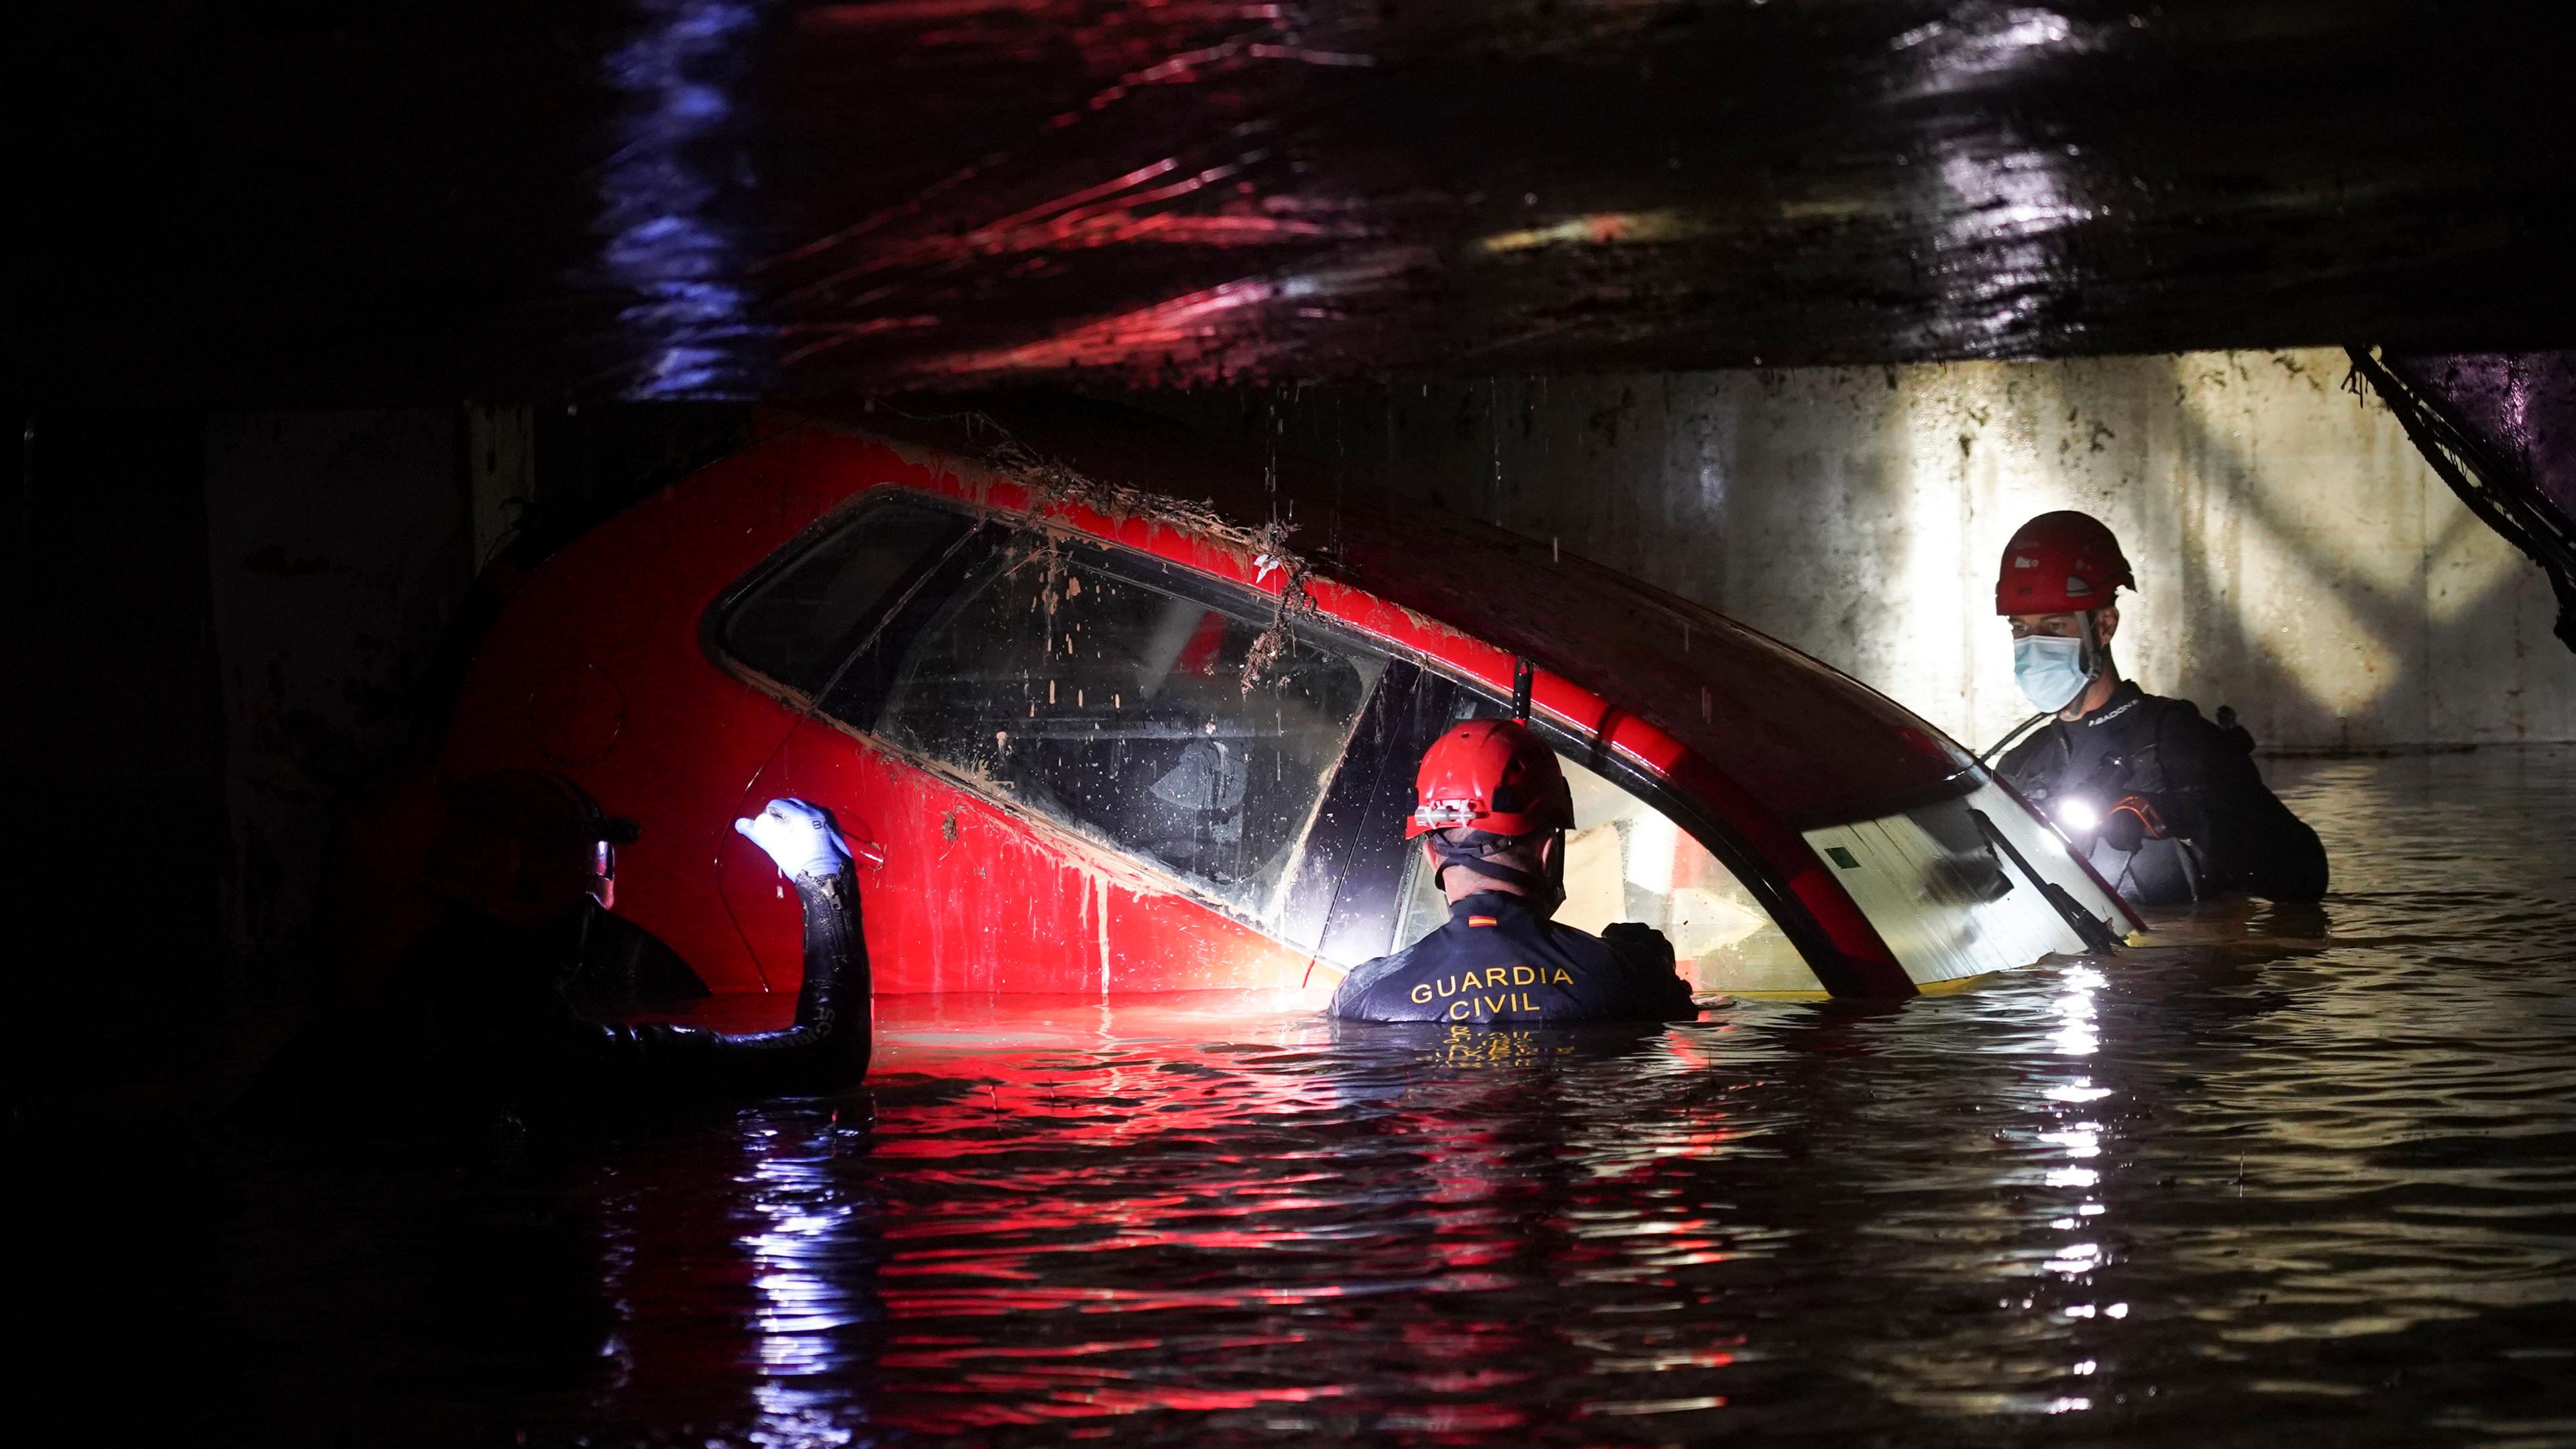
(812, 1267)
(670, 198)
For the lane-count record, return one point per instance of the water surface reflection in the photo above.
(2280, 1183)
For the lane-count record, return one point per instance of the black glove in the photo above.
(1640, 945)
(2131, 823)
(1646, 951)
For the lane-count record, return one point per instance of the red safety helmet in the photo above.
(1494, 775)
(2060, 563)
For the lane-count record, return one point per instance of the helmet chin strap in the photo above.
(1543, 891)
(2096, 654)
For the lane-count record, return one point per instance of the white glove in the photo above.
(798, 837)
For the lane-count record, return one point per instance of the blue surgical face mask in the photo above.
(2050, 670)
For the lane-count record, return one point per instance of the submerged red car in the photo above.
(1124, 712)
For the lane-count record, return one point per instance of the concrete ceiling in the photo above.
(301, 203)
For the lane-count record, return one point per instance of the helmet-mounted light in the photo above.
(1446, 814)
(1493, 775)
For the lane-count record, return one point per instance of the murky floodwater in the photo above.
(2319, 1188)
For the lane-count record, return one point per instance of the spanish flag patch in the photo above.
(1480, 920)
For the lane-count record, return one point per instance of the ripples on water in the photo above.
(2277, 1187)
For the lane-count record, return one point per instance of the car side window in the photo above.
(802, 623)
(1121, 697)
(1625, 860)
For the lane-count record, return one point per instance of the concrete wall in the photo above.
(339, 545)
(2295, 556)
(111, 757)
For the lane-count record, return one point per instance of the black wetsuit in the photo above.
(478, 1024)
(2224, 829)
(1497, 962)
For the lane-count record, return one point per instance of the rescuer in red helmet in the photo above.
(1492, 811)
(2170, 807)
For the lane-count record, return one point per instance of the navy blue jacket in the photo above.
(1496, 962)
(2226, 830)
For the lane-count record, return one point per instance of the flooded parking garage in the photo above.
(2304, 1177)
(416, 424)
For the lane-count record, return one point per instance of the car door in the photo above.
(1090, 770)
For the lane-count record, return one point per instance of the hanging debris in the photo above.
(1054, 485)
(2500, 429)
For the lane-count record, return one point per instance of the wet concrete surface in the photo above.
(2304, 1176)
(663, 198)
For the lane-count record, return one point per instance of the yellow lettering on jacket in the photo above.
(1466, 987)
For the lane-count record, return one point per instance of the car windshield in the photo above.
(1966, 886)
(1140, 704)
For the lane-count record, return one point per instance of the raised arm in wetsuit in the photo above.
(829, 1044)
(482, 1018)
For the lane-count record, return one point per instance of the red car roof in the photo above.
(1809, 743)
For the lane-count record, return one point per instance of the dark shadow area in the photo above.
(199, 698)
(111, 739)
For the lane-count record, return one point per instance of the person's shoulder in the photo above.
(2032, 754)
(1571, 942)
(1621, 940)
(1651, 978)
(2176, 718)
(1351, 997)
(2168, 704)
(1374, 970)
